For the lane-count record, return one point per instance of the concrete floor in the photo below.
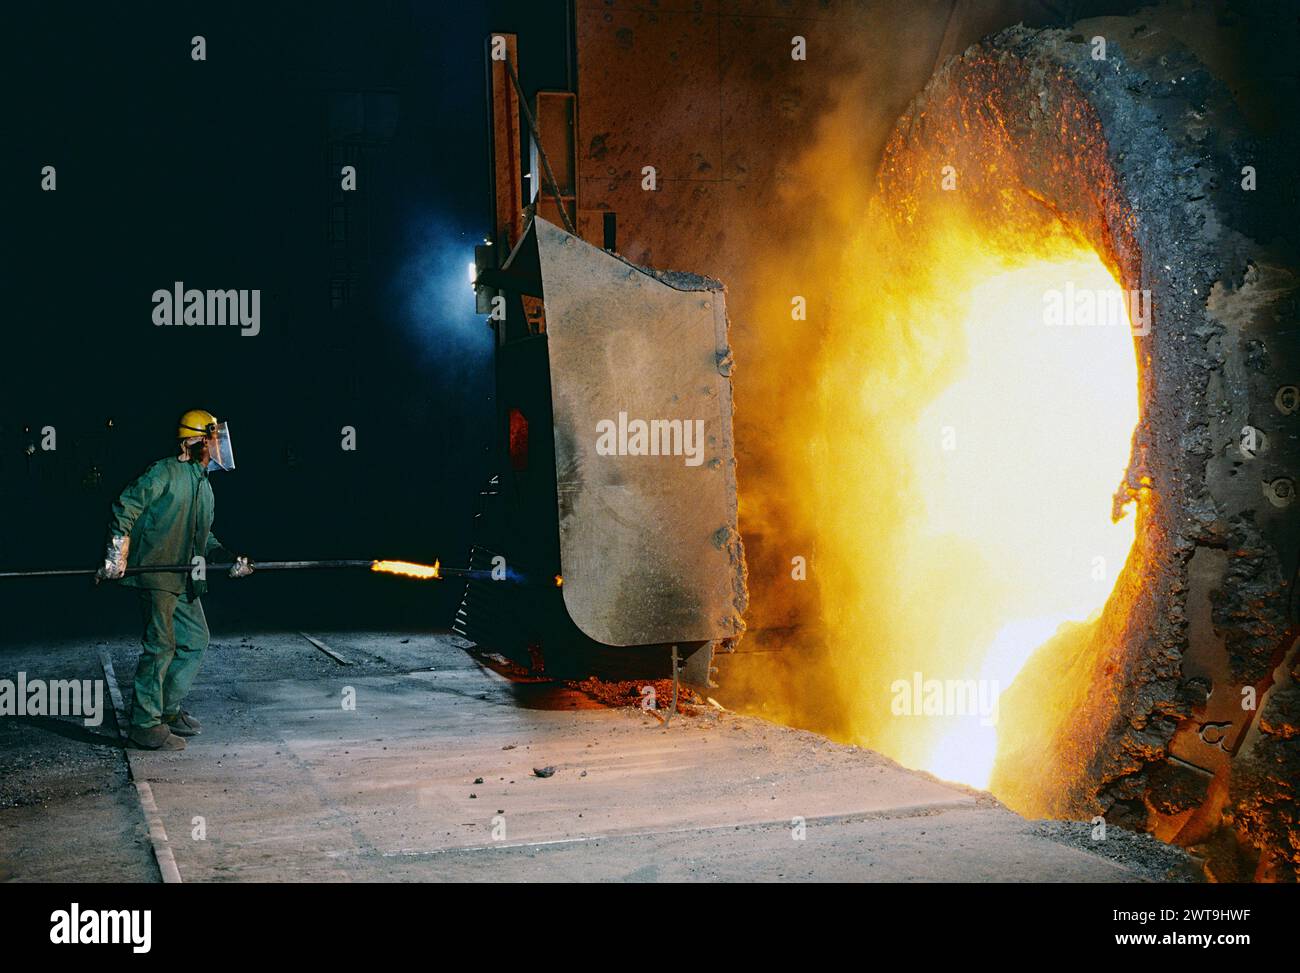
(285, 784)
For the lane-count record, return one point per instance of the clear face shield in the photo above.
(221, 456)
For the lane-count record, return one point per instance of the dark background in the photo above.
(224, 173)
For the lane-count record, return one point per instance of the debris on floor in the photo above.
(635, 693)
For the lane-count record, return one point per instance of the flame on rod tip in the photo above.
(409, 569)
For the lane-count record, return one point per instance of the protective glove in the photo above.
(241, 568)
(114, 565)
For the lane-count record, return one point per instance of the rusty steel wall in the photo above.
(708, 94)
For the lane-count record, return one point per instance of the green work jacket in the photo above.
(168, 514)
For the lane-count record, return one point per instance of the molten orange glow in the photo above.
(962, 465)
(950, 466)
(408, 569)
(934, 430)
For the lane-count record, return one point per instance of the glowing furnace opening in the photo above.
(1017, 462)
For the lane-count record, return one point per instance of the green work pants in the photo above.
(175, 637)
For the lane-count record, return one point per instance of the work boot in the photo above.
(182, 724)
(155, 738)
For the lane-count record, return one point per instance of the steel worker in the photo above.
(165, 517)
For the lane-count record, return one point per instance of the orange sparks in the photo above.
(425, 571)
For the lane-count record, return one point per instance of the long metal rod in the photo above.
(479, 574)
(537, 140)
(186, 568)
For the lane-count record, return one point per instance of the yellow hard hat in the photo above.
(196, 422)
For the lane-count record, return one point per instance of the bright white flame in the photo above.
(1033, 439)
(968, 754)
